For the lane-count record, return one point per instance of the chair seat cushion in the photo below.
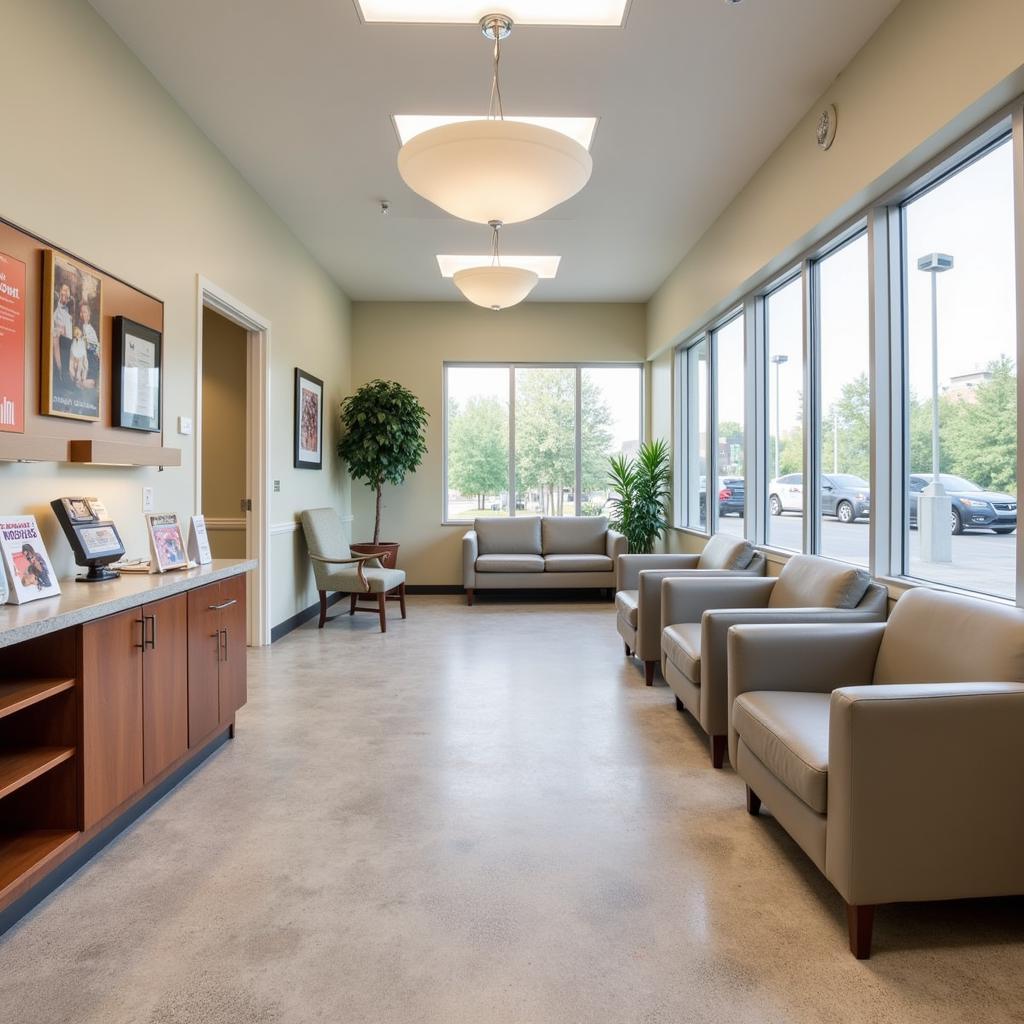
(626, 603)
(788, 733)
(578, 563)
(510, 563)
(380, 581)
(681, 644)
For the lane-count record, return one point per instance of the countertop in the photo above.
(83, 602)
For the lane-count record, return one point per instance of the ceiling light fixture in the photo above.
(611, 13)
(408, 126)
(545, 267)
(492, 169)
(494, 286)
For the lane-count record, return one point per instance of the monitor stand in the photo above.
(98, 574)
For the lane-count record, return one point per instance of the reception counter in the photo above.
(109, 694)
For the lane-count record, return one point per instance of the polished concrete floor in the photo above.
(483, 816)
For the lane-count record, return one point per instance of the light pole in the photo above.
(778, 361)
(935, 508)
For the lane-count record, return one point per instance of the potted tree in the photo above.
(640, 493)
(382, 439)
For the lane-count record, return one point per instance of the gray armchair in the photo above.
(878, 751)
(696, 616)
(638, 598)
(337, 570)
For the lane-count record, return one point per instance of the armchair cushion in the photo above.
(681, 645)
(810, 581)
(626, 605)
(510, 563)
(574, 535)
(724, 552)
(518, 536)
(578, 563)
(788, 733)
(379, 581)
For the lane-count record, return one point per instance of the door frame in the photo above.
(257, 444)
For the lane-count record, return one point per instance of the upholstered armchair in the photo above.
(337, 570)
(638, 598)
(696, 616)
(891, 753)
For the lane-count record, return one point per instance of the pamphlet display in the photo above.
(93, 537)
(198, 541)
(166, 543)
(30, 573)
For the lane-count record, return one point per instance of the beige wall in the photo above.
(409, 343)
(179, 210)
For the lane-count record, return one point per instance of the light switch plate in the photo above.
(185, 425)
(147, 499)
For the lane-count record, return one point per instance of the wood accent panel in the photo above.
(16, 696)
(112, 761)
(233, 661)
(27, 850)
(203, 663)
(165, 684)
(110, 453)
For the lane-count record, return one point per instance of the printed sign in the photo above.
(12, 345)
(25, 560)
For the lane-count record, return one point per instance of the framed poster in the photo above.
(166, 542)
(309, 421)
(12, 345)
(71, 360)
(137, 354)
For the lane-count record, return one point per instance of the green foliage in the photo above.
(852, 413)
(383, 427)
(478, 448)
(640, 494)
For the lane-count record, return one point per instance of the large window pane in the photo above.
(546, 440)
(962, 378)
(695, 435)
(612, 421)
(784, 326)
(730, 486)
(845, 428)
(477, 433)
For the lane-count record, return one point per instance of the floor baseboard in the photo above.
(282, 629)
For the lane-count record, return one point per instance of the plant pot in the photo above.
(386, 551)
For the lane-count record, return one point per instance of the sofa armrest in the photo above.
(615, 547)
(686, 600)
(924, 791)
(630, 567)
(470, 551)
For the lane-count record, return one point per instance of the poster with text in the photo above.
(12, 345)
(25, 560)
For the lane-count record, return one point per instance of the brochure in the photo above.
(27, 565)
(198, 541)
(165, 542)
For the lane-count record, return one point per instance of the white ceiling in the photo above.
(692, 96)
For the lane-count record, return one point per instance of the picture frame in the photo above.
(309, 421)
(166, 543)
(137, 387)
(71, 339)
(13, 278)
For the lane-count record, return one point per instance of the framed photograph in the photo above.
(137, 354)
(12, 344)
(166, 542)
(71, 362)
(309, 421)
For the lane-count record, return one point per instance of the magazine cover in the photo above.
(26, 563)
(165, 541)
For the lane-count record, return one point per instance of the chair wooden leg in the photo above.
(860, 919)
(382, 611)
(718, 751)
(753, 803)
(628, 651)
(323, 609)
(649, 672)
(469, 596)
(401, 599)
(352, 606)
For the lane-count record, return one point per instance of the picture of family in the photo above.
(72, 362)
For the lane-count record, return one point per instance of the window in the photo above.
(694, 439)
(959, 280)
(730, 487)
(561, 422)
(844, 430)
(783, 312)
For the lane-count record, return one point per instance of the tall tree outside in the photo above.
(478, 449)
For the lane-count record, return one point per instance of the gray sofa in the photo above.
(540, 553)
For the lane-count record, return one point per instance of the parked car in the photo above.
(843, 495)
(731, 491)
(974, 508)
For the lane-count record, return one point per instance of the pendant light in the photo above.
(494, 286)
(493, 169)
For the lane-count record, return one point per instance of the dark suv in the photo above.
(973, 507)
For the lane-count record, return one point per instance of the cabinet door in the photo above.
(233, 649)
(165, 684)
(112, 766)
(204, 644)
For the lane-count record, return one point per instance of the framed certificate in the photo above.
(138, 352)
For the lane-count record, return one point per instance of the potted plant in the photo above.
(382, 427)
(640, 493)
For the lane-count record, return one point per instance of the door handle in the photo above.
(216, 636)
(141, 645)
(223, 605)
(151, 642)
(224, 643)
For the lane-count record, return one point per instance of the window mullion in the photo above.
(1018, 207)
(512, 441)
(578, 492)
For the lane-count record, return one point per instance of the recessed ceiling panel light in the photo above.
(542, 266)
(469, 12)
(580, 129)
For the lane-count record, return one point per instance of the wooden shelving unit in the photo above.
(24, 851)
(20, 695)
(20, 767)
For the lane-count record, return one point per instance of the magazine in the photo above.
(166, 542)
(27, 565)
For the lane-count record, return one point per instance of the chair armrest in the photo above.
(630, 567)
(470, 552)
(615, 546)
(686, 600)
(360, 562)
(924, 791)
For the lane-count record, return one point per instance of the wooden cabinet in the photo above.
(164, 684)
(216, 656)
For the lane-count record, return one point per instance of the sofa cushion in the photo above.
(681, 644)
(809, 581)
(518, 536)
(626, 604)
(578, 563)
(788, 733)
(510, 563)
(722, 552)
(574, 535)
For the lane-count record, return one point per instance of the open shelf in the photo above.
(121, 453)
(20, 767)
(15, 696)
(20, 852)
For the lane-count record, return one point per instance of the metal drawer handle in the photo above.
(224, 641)
(151, 642)
(221, 607)
(141, 645)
